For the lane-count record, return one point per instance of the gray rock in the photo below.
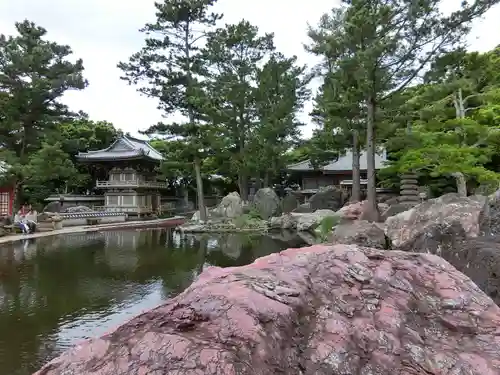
(196, 216)
(446, 210)
(331, 198)
(267, 203)
(289, 203)
(489, 221)
(395, 209)
(78, 209)
(53, 207)
(284, 222)
(359, 232)
(304, 208)
(309, 222)
(231, 206)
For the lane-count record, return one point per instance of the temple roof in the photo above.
(343, 163)
(124, 148)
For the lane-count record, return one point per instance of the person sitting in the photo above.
(26, 225)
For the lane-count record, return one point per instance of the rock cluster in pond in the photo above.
(299, 221)
(232, 214)
(340, 309)
(266, 203)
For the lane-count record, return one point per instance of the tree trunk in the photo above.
(243, 186)
(185, 193)
(15, 200)
(267, 179)
(371, 208)
(191, 115)
(199, 190)
(461, 183)
(356, 175)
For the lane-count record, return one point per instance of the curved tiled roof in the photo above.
(343, 163)
(123, 148)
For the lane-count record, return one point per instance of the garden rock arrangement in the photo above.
(359, 232)
(355, 211)
(300, 221)
(328, 198)
(231, 215)
(340, 309)
(230, 207)
(266, 203)
(445, 210)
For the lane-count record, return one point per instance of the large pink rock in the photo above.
(319, 310)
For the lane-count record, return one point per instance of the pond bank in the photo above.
(168, 222)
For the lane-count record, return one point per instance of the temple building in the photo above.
(335, 173)
(132, 186)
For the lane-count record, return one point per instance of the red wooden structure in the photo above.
(6, 200)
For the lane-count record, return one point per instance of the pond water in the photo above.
(58, 291)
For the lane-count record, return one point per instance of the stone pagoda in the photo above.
(132, 185)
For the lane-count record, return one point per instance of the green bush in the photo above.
(247, 221)
(254, 214)
(326, 225)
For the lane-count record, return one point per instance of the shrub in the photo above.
(326, 226)
(247, 221)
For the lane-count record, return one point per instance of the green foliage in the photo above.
(82, 135)
(376, 49)
(34, 75)
(249, 221)
(168, 68)
(326, 226)
(280, 95)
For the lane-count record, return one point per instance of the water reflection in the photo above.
(57, 291)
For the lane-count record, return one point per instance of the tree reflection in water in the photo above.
(57, 291)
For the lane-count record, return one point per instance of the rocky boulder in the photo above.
(285, 222)
(267, 203)
(478, 258)
(53, 207)
(331, 198)
(359, 232)
(309, 222)
(355, 211)
(304, 208)
(78, 209)
(490, 218)
(395, 209)
(299, 221)
(230, 207)
(196, 218)
(289, 203)
(319, 310)
(448, 209)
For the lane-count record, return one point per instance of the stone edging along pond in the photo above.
(159, 223)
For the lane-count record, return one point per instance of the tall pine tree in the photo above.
(168, 69)
(387, 45)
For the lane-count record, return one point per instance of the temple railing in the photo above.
(124, 209)
(103, 184)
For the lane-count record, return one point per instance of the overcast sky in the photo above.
(104, 32)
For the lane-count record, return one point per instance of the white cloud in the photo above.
(104, 32)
